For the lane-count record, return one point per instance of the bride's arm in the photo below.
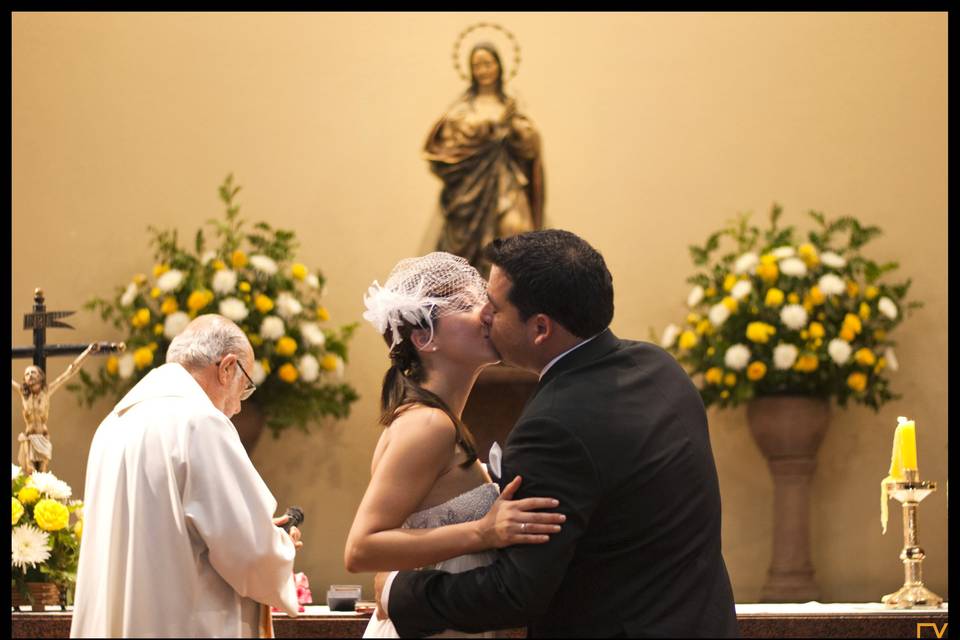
(419, 450)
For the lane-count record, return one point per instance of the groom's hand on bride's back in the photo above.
(512, 521)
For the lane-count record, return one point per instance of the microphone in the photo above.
(296, 518)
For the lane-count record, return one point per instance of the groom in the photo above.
(616, 431)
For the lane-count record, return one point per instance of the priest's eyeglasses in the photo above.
(250, 388)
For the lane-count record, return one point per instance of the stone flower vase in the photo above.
(42, 593)
(250, 423)
(789, 429)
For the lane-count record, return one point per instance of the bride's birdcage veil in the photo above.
(420, 290)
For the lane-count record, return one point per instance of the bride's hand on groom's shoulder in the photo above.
(512, 521)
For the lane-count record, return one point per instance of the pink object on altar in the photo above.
(303, 592)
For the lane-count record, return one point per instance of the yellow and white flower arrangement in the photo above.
(786, 315)
(253, 279)
(45, 546)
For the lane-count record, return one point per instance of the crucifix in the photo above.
(36, 450)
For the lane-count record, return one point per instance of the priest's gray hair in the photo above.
(205, 341)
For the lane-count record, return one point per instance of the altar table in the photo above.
(808, 620)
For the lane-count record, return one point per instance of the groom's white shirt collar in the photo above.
(573, 348)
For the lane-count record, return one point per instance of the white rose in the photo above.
(793, 267)
(257, 373)
(309, 368)
(170, 281)
(794, 316)
(839, 350)
(287, 305)
(783, 252)
(272, 328)
(833, 260)
(784, 355)
(718, 314)
(234, 309)
(207, 257)
(737, 357)
(264, 264)
(887, 307)
(313, 334)
(746, 263)
(669, 336)
(831, 284)
(696, 295)
(891, 359)
(224, 281)
(313, 281)
(126, 365)
(127, 298)
(175, 323)
(741, 290)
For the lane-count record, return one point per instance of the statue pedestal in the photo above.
(495, 403)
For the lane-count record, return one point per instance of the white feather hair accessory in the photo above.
(420, 290)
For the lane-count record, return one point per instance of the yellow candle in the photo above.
(904, 456)
(908, 444)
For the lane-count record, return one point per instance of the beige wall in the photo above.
(657, 129)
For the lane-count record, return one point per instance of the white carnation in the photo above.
(258, 374)
(313, 334)
(264, 264)
(741, 290)
(784, 355)
(51, 485)
(696, 295)
(737, 357)
(794, 316)
(839, 350)
(831, 284)
(15, 471)
(747, 263)
(783, 252)
(234, 309)
(170, 281)
(126, 365)
(887, 307)
(891, 359)
(718, 314)
(793, 267)
(127, 298)
(175, 323)
(29, 546)
(833, 260)
(313, 281)
(224, 281)
(669, 336)
(287, 305)
(272, 328)
(309, 368)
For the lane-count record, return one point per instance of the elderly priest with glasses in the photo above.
(179, 536)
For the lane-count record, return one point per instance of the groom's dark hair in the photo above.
(559, 274)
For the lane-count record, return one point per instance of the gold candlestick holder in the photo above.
(912, 594)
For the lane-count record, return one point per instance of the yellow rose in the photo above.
(864, 311)
(816, 295)
(881, 365)
(730, 303)
(263, 303)
(155, 292)
(756, 370)
(703, 326)
(693, 318)
(711, 351)
(710, 292)
(793, 298)
(266, 366)
(286, 346)
(51, 515)
(244, 286)
(288, 373)
(806, 363)
(852, 321)
(768, 258)
(865, 357)
(322, 314)
(157, 329)
(139, 279)
(774, 298)
(329, 362)
(857, 381)
(730, 379)
(17, 510)
(28, 495)
(768, 272)
(816, 330)
(199, 299)
(852, 288)
(729, 281)
(298, 271)
(218, 265)
(847, 334)
(153, 346)
(714, 375)
(688, 340)
(141, 318)
(760, 332)
(169, 305)
(113, 365)
(160, 269)
(238, 259)
(871, 292)
(808, 253)
(143, 357)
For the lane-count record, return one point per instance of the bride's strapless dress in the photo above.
(466, 507)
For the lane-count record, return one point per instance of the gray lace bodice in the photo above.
(466, 507)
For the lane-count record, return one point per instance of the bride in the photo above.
(430, 502)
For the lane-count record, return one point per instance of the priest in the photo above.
(179, 535)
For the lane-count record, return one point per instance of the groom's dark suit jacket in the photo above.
(616, 431)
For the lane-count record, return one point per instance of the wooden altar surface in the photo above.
(807, 620)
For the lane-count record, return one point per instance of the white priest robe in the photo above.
(177, 537)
